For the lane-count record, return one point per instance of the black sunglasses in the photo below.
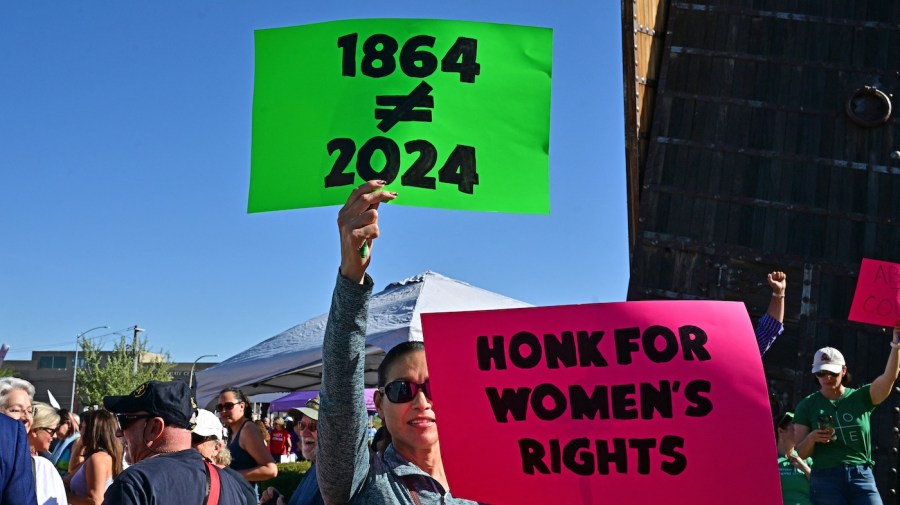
(49, 431)
(823, 373)
(403, 391)
(226, 406)
(125, 420)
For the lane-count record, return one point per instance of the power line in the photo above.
(124, 332)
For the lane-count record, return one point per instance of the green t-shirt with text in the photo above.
(794, 484)
(850, 419)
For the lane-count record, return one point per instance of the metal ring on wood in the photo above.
(869, 107)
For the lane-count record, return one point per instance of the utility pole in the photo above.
(134, 347)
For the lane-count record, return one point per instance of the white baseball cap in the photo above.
(208, 425)
(828, 359)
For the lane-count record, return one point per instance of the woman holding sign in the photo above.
(832, 426)
(410, 469)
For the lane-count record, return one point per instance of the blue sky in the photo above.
(125, 132)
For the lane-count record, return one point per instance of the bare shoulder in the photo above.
(100, 458)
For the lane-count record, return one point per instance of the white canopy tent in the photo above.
(292, 360)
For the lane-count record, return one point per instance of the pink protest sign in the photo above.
(877, 297)
(614, 403)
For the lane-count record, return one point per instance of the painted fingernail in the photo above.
(383, 183)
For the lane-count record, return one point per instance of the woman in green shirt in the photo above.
(832, 426)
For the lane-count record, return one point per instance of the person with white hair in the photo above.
(208, 437)
(15, 399)
(16, 481)
(306, 427)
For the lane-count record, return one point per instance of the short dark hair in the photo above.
(397, 352)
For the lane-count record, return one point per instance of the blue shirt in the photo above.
(176, 477)
(16, 477)
(767, 330)
(307, 492)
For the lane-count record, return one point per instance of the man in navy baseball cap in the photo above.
(171, 401)
(155, 423)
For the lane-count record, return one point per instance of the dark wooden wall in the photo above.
(753, 164)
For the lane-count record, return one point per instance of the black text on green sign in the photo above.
(415, 61)
(458, 169)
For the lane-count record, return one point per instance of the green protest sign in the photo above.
(453, 114)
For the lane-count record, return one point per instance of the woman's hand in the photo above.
(821, 436)
(882, 386)
(778, 282)
(358, 225)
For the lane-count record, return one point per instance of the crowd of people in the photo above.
(151, 446)
(154, 446)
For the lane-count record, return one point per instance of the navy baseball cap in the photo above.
(171, 401)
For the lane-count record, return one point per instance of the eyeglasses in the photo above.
(226, 406)
(403, 391)
(823, 373)
(312, 426)
(125, 420)
(49, 431)
(29, 411)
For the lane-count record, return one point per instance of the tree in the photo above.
(113, 373)
(7, 371)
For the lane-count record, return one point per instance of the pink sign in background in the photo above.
(649, 411)
(877, 297)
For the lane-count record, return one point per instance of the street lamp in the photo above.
(191, 378)
(75, 364)
(134, 347)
